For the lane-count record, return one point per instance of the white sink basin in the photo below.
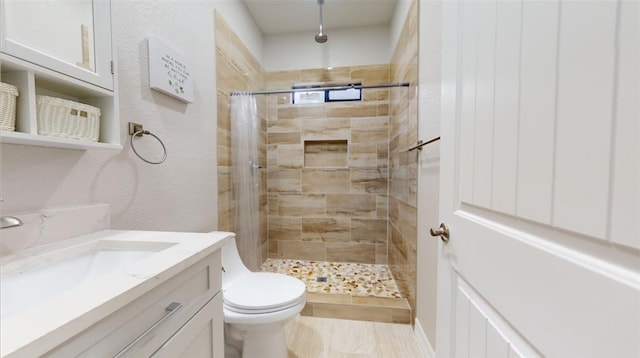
(32, 280)
(53, 292)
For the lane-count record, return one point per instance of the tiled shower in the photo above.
(328, 169)
(338, 185)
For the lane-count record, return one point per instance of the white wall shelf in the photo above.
(52, 142)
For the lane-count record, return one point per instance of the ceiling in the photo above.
(286, 16)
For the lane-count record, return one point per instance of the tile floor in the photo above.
(341, 278)
(317, 337)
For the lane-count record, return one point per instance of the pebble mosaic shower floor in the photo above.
(342, 278)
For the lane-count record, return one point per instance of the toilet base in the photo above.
(256, 341)
(232, 342)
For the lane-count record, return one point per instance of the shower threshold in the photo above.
(346, 290)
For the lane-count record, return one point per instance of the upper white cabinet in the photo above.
(64, 49)
(72, 37)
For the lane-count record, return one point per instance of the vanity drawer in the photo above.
(201, 337)
(145, 324)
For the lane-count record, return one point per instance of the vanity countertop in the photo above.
(43, 326)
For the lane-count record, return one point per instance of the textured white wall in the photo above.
(181, 193)
(345, 47)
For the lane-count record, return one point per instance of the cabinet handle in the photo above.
(170, 309)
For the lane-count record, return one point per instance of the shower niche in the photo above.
(326, 154)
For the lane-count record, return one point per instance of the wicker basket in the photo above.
(62, 118)
(8, 94)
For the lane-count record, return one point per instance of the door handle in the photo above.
(443, 232)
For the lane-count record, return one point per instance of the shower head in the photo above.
(321, 37)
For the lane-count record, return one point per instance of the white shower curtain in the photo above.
(245, 176)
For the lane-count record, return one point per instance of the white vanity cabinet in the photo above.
(144, 328)
(61, 49)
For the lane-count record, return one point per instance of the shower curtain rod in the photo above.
(310, 89)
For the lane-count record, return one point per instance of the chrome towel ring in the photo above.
(136, 130)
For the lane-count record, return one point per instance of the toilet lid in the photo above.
(263, 290)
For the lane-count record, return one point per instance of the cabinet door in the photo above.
(69, 37)
(201, 337)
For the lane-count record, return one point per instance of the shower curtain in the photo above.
(245, 176)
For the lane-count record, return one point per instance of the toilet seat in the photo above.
(263, 292)
(264, 310)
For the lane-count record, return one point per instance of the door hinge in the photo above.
(112, 68)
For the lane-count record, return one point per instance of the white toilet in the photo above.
(257, 305)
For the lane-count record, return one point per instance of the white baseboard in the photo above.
(423, 341)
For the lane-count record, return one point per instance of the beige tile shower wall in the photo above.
(328, 169)
(403, 120)
(237, 70)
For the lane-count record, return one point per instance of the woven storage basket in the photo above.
(8, 94)
(62, 118)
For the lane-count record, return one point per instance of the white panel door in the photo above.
(540, 183)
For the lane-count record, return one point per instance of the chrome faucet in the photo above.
(9, 221)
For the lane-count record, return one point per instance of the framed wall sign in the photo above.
(169, 72)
